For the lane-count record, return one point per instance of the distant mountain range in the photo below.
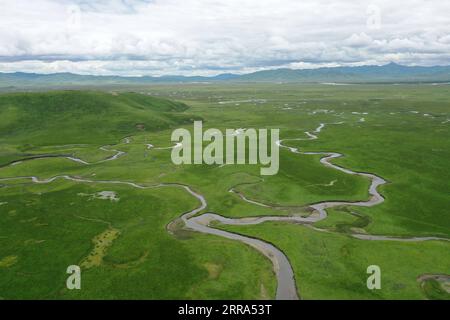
(389, 73)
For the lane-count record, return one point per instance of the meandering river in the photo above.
(286, 283)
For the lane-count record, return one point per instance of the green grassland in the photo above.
(330, 265)
(404, 138)
(32, 121)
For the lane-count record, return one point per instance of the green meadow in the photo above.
(127, 247)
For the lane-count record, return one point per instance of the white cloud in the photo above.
(137, 37)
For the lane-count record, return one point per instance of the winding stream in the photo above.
(117, 154)
(286, 288)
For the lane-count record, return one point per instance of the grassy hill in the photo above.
(74, 117)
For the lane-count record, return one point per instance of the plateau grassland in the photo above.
(137, 246)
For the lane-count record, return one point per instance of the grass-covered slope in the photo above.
(76, 117)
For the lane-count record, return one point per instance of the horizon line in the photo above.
(222, 74)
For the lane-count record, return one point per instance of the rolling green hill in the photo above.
(73, 117)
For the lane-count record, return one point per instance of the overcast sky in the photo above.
(208, 37)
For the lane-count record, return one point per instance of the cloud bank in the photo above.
(207, 37)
